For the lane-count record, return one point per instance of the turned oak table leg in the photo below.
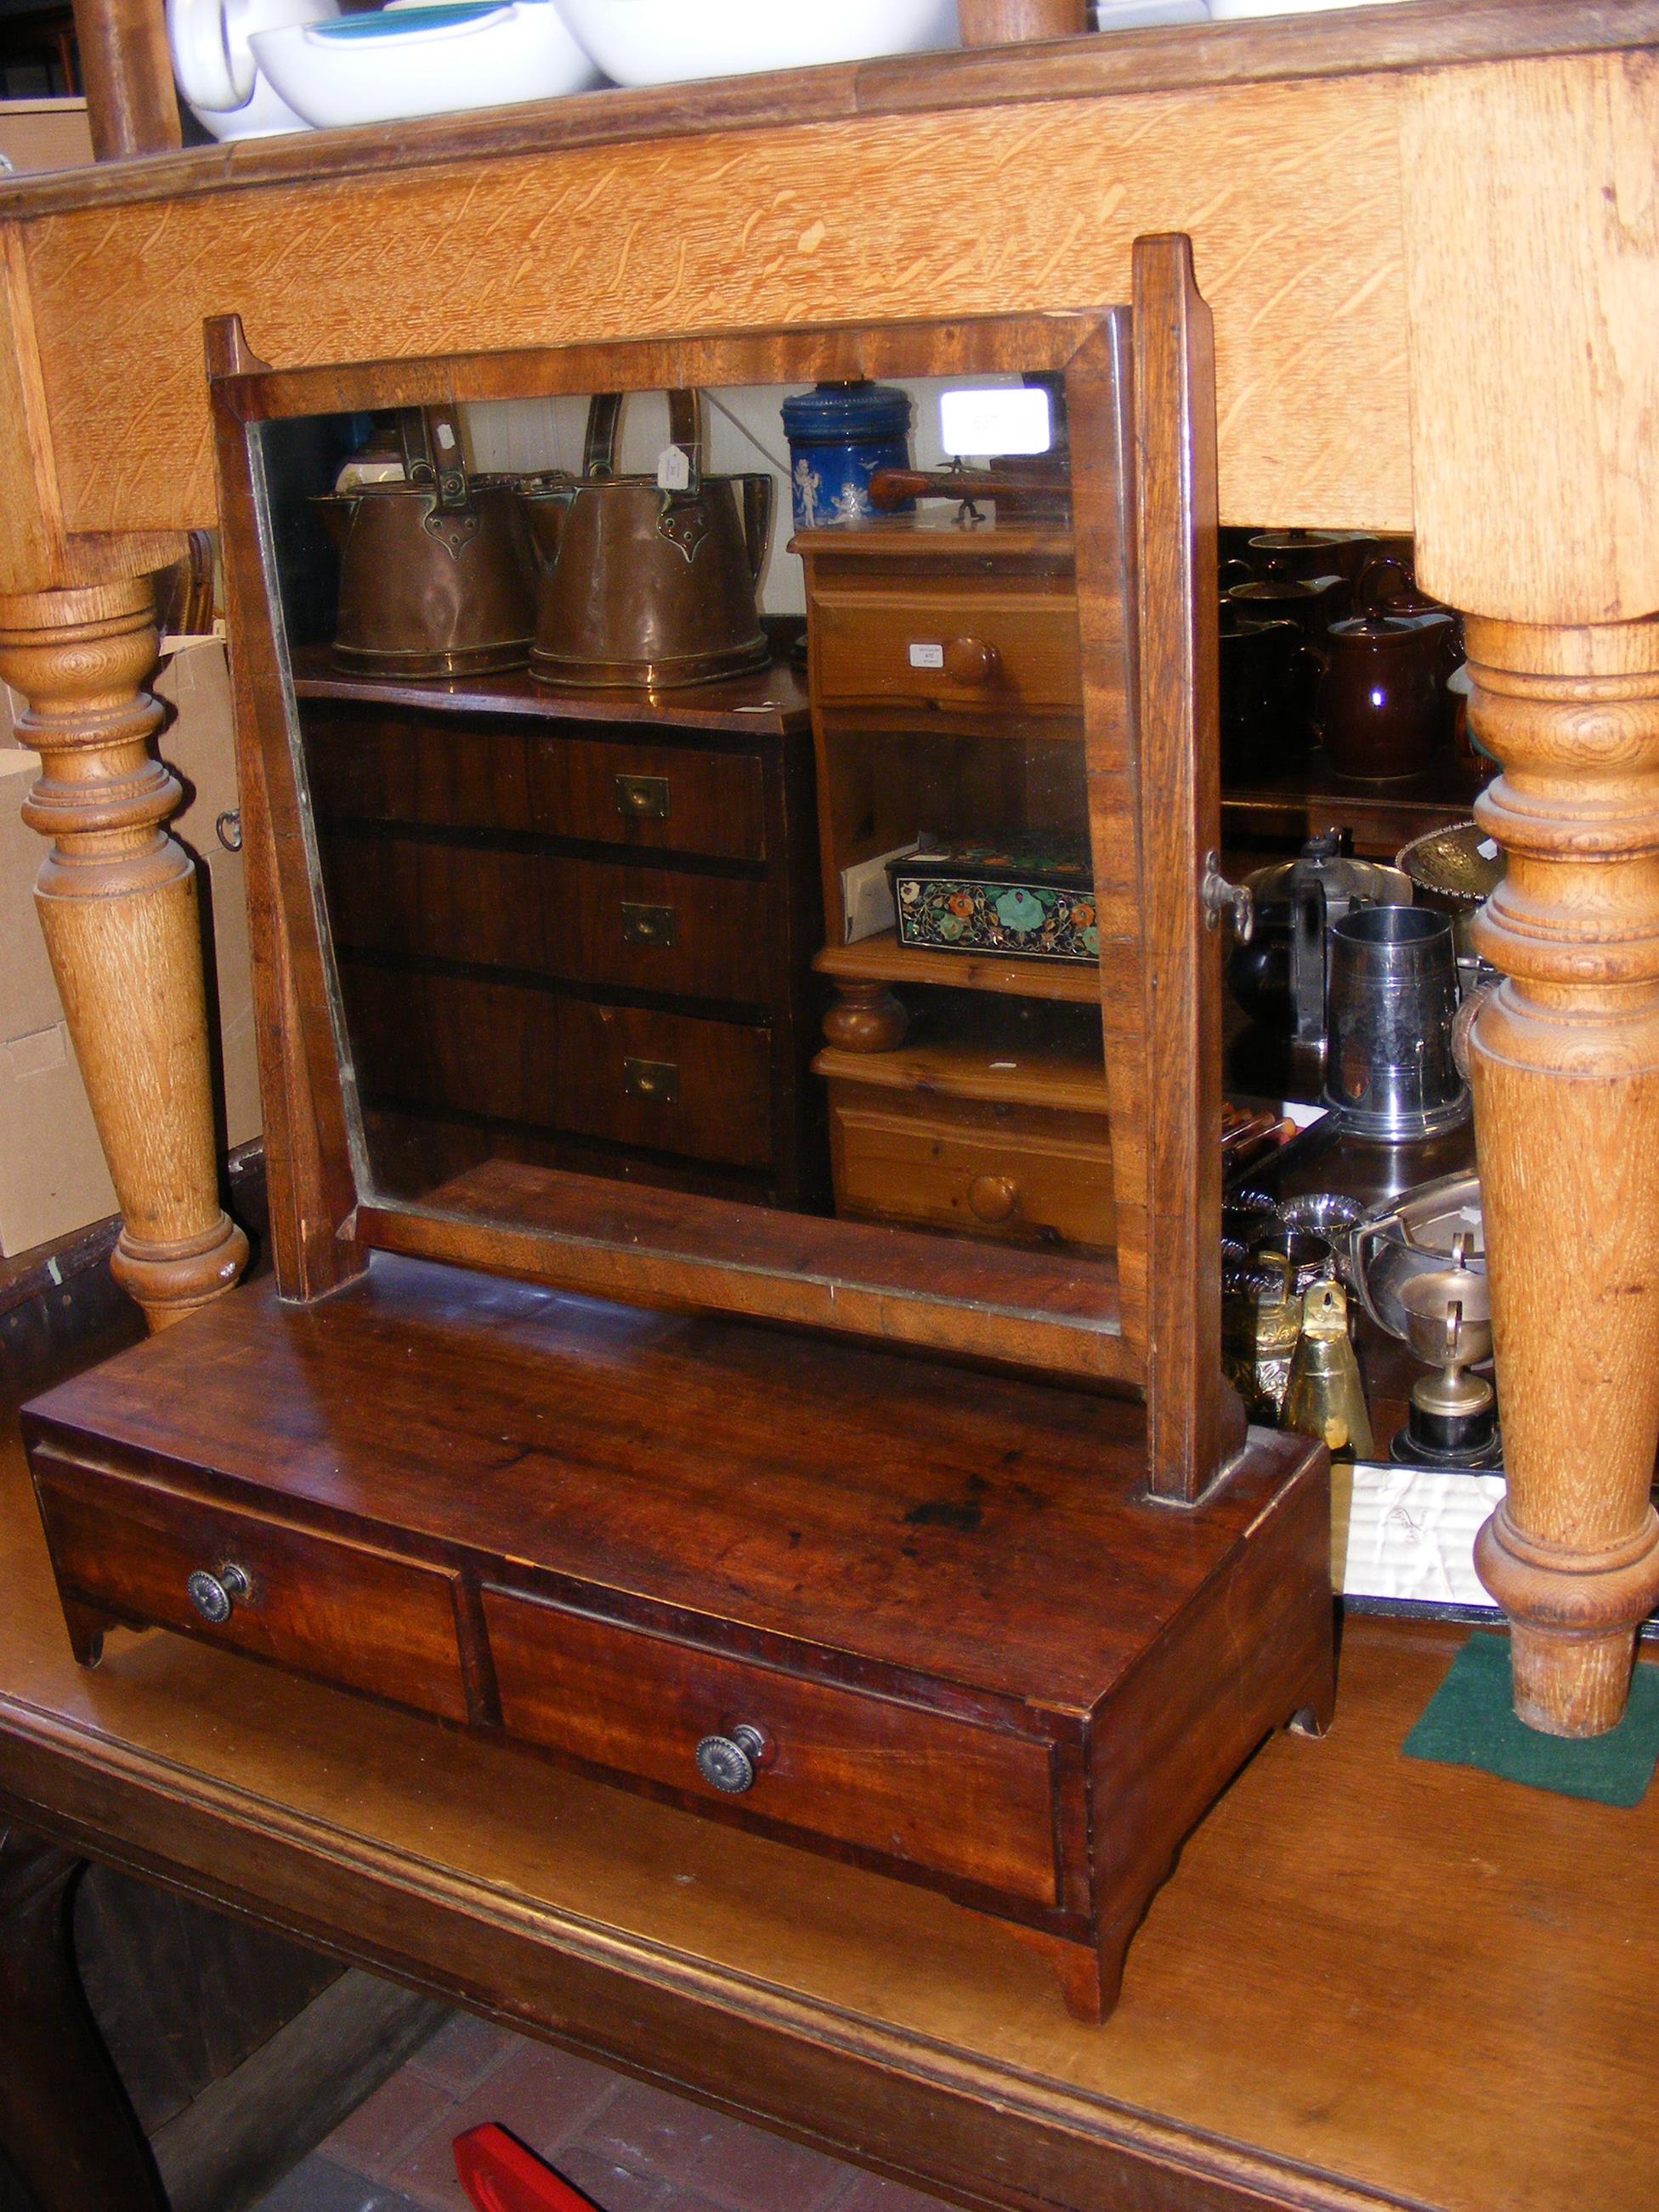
(116, 900)
(1564, 1058)
(65, 2125)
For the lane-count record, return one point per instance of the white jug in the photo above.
(214, 65)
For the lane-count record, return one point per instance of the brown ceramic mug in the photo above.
(1381, 708)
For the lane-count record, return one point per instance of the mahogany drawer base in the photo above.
(918, 1618)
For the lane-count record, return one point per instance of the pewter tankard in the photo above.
(1389, 1074)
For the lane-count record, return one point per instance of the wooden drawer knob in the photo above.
(971, 661)
(994, 1198)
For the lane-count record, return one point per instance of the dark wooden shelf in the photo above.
(772, 702)
(1383, 816)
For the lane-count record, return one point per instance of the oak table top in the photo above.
(1370, 1982)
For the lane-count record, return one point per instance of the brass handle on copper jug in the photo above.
(215, 1595)
(994, 1198)
(972, 660)
(730, 1763)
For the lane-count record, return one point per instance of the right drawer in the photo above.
(954, 1796)
(965, 649)
(1019, 1174)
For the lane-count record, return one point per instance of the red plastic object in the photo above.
(499, 2175)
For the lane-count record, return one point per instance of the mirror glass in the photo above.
(697, 798)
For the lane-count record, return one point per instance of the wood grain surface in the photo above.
(1371, 1983)
(1008, 1485)
(981, 211)
(116, 898)
(1532, 218)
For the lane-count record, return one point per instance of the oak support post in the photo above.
(66, 2128)
(131, 106)
(1017, 22)
(117, 900)
(1564, 1059)
(1532, 290)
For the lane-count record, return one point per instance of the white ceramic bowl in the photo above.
(213, 63)
(669, 41)
(415, 59)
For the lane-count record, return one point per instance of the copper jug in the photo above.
(437, 572)
(645, 583)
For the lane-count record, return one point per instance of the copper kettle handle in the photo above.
(433, 453)
(604, 420)
(758, 487)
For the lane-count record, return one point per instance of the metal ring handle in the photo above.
(215, 1595)
(730, 1763)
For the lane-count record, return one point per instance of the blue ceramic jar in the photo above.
(839, 435)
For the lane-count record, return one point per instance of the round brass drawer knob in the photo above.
(215, 1596)
(971, 661)
(729, 1763)
(994, 1198)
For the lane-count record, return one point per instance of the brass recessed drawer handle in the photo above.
(730, 1763)
(648, 925)
(215, 1595)
(994, 1198)
(645, 798)
(658, 1080)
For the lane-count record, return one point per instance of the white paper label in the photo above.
(446, 437)
(926, 656)
(1011, 420)
(674, 469)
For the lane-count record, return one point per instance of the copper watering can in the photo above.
(438, 571)
(645, 583)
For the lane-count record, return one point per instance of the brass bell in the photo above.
(1325, 1399)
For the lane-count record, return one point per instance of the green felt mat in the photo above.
(1470, 1723)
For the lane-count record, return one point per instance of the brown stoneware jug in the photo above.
(1380, 704)
(437, 572)
(1269, 675)
(1312, 605)
(646, 584)
(1312, 554)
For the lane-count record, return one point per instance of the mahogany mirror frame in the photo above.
(1138, 383)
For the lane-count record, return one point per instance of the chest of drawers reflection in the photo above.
(573, 930)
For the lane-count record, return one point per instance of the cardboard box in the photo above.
(199, 746)
(45, 134)
(52, 1176)
(53, 1180)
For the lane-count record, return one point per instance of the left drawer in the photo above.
(346, 1612)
